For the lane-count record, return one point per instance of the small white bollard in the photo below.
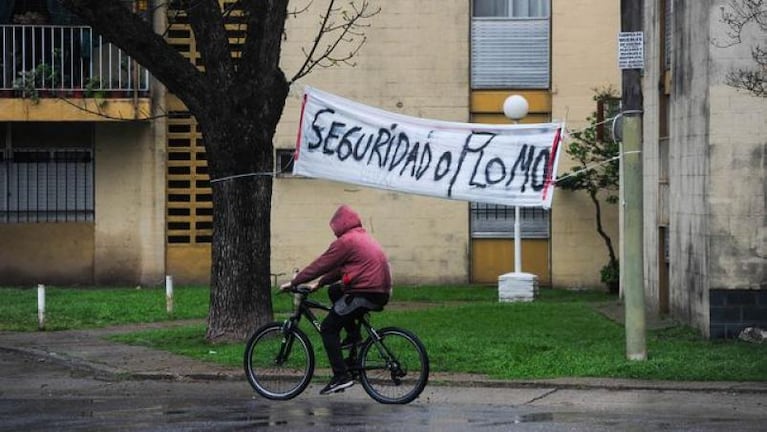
(169, 294)
(41, 306)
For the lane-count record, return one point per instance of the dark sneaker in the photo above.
(338, 383)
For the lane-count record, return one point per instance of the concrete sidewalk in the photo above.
(89, 351)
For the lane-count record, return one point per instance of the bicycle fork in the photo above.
(287, 343)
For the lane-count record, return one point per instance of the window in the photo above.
(42, 182)
(511, 8)
(285, 159)
(510, 44)
(497, 221)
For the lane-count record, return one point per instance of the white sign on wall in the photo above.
(346, 141)
(631, 50)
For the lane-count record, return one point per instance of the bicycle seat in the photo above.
(342, 307)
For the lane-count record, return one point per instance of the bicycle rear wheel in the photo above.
(396, 369)
(279, 365)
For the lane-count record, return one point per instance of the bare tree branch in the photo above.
(738, 16)
(344, 32)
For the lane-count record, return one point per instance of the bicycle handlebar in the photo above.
(299, 289)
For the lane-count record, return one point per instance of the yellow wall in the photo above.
(491, 258)
(55, 109)
(487, 106)
(46, 253)
(584, 57)
(189, 264)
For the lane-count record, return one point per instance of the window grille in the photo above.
(492, 220)
(190, 198)
(190, 203)
(46, 185)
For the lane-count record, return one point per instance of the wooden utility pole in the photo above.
(632, 266)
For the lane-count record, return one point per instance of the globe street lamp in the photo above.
(515, 108)
(516, 286)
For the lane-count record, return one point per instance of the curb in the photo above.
(103, 371)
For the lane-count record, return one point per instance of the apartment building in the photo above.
(132, 203)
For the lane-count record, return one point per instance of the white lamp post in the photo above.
(515, 108)
(516, 286)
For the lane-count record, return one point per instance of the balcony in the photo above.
(53, 68)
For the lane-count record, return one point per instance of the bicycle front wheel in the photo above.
(395, 369)
(279, 364)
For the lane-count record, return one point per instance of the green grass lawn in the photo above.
(464, 328)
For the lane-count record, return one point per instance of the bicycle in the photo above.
(391, 363)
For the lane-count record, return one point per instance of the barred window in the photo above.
(46, 183)
(492, 220)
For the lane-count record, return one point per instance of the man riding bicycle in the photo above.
(358, 269)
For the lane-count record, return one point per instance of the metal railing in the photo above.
(66, 58)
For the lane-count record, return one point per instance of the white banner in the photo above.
(342, 140)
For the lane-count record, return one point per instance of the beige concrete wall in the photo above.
(583, 57)
(129, 205)
(738, 168)
(415, 62)
(717, 201)
(422, 246)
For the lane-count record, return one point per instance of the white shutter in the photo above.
(510, 53)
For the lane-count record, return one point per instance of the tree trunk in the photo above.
(238, 140)
(600, 229)
(240, 274)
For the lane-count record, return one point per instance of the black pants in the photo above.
(333, 323)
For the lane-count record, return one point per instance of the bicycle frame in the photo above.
(302, 306)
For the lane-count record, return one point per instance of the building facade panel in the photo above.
(129, 228)
(716, 234)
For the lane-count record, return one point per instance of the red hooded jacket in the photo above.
(355, 258)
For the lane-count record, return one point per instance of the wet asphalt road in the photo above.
(36, 395)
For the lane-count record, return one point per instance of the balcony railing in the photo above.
(66, 60)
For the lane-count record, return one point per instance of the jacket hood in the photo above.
(343, 220)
